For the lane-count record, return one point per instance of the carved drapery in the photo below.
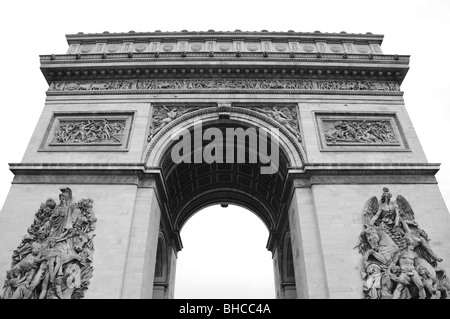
(54, 259)
(398, 262)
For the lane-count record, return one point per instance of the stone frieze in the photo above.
(224, 84)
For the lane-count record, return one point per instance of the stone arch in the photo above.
(191, 187)
(288, 143)
(161, 277)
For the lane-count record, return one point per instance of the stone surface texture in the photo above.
(316, 198)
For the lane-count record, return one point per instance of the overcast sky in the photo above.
(416, 28)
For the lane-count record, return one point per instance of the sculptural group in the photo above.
(54, 259)
(365, 132)
(398, 262)
(89, 131)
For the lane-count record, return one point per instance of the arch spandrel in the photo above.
(159, 144)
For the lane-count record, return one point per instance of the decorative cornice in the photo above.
(373, 179)
(325, 57)
(83, 173)
(76, 179)
(144, 54)
(158, 64)
(263, 35)
(235, 91)
(406, 167)
(363, 173)
(301, 182)
(147, 181)
(18, 167)
(87, 178)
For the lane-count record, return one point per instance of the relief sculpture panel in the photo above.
(88, 132)
(359, 132)
(286, 116)
(162, 116)
(349, 131)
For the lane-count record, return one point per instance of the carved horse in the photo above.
(382, 247)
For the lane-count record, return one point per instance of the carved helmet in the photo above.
(67, 192)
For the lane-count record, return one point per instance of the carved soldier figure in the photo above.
(420, 243)
(429, 281)
(73, 279)
(53, 256)
(407, 260)
(62, 217)
(106, 130)
(396, 276)
(78, 134)
(17, 284)
(372, 284)
(92, 130)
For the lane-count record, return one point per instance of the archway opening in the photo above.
(190, 187)
(224, 256)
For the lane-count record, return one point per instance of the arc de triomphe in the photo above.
(97, 203)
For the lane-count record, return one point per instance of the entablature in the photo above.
(224, 41)
(212, 54)
(252, 65)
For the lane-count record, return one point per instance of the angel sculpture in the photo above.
(386, 215)
(390, 238)
(164, 116)
(285, 117)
